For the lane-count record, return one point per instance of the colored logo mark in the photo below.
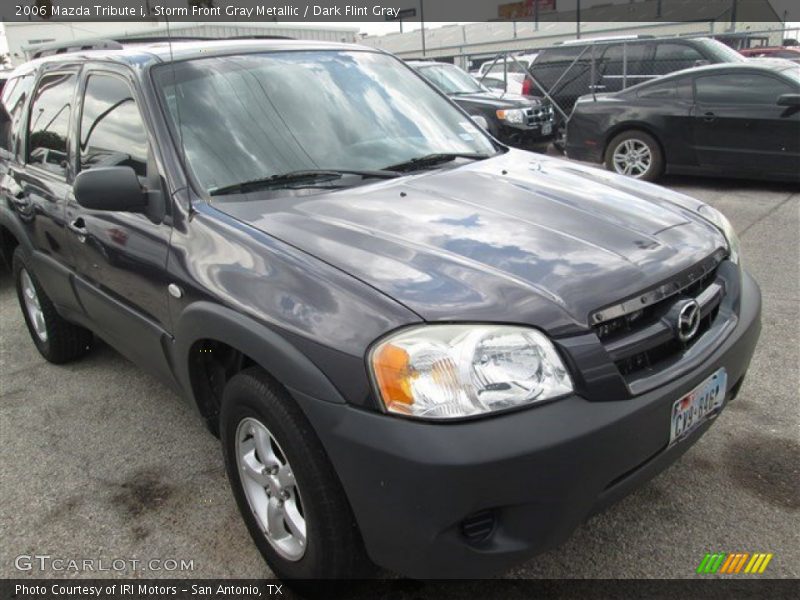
(734, 562)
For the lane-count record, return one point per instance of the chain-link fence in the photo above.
(564, 72)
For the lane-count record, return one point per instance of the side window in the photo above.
(741, 88)
(634, 56)
(49, 122)
(112, 131)
(671, 57)
(15, 95)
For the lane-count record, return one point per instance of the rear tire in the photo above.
(56, 339)
(311, 533)
(635, 154)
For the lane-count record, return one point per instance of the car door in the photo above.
(121, 257)
(738, 124)
(37, 174)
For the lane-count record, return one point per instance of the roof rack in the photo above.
(74, 46)
(119, 44)
(197, 38)
(606, 39)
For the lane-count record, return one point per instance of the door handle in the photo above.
(78, 227)
(709, 117)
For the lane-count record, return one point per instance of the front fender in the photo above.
(267, 347)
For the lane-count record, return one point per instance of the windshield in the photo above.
(451, 80)
(721, 52)
(247, 117)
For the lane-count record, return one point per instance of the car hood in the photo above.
(516, 238)
(498, 100)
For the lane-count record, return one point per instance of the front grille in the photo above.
(642, 339)
(539, 115)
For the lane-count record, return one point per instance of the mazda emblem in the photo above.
(688, 321)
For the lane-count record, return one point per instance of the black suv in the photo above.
(420, 348)
(520, 121)
(573, 69)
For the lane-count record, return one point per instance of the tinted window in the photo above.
(15, 93)
(740, 88)
(634, 55)
(557, 55)
(683, 52)
(49, 122)
(112, 131)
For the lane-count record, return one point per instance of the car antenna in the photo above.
(181, 148)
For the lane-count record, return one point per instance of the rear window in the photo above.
(718, 52)
(556, 55)
(681, 52)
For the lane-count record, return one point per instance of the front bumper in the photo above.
(524, 136)
(540, 472)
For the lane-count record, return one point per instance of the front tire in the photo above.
(635, 154)
(285, 487)
(56, 339)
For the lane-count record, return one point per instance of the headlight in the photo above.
(452, 371)
(514, 115)
(721, 221)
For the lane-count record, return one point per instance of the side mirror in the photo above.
(110, 188)
(481, 122)
(789, 100)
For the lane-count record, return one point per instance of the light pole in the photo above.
(422, 23)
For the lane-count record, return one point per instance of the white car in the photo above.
(492, 74)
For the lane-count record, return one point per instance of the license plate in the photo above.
(697, 405)
(547, 129)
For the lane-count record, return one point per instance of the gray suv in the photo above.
(421, 349)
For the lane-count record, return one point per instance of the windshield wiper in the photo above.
(285, 179)
(431, 160)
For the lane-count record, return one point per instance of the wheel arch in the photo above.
(634, 126)
(11, 236)
(204, 327)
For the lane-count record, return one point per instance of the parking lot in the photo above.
(100, 460)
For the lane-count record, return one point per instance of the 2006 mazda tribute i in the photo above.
(421, 349)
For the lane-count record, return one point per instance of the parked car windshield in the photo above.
(451, 80)
(247, 117)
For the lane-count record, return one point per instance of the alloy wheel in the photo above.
(32, 305)
(632, 158)
(271, 489)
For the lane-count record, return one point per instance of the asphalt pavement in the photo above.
(99, 460)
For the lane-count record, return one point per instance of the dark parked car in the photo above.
(420, 348)
(572, 69)
(521, 121)
(740, 120)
